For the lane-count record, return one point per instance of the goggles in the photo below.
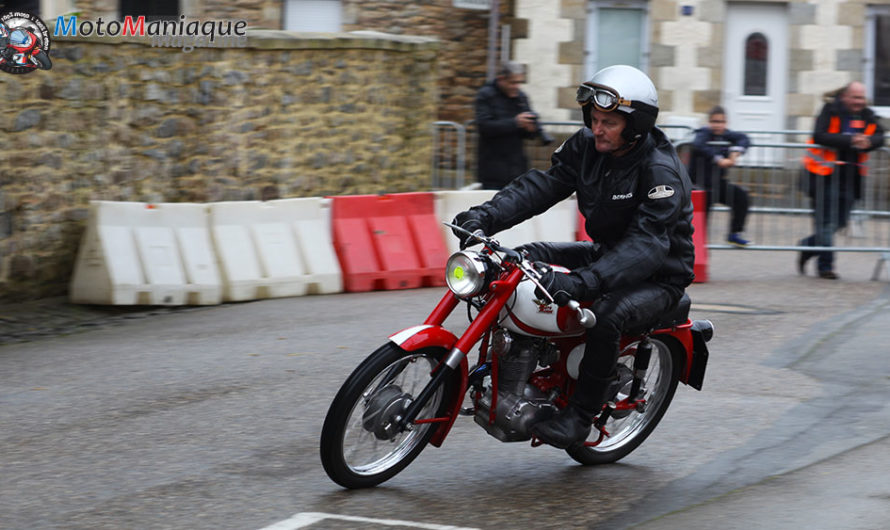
(604, 98)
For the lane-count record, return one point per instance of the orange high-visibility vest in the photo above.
(822, 160)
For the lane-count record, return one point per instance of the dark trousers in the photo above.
(831, 211)
(725, 192)
(631, 308)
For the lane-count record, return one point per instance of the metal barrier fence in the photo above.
(780, 211)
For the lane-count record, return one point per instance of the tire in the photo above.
(627, 433)
(359, 449)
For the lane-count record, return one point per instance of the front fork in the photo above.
(500, 291)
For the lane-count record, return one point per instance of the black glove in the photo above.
(470, 221)
(562, 286)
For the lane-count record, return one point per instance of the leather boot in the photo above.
(568, 426)
(572, 424)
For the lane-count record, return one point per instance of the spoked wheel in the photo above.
(627, 430)
(361, 444)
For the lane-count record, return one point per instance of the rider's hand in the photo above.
(562, 286)
(470, 221)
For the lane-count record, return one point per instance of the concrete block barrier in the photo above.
(152, 254)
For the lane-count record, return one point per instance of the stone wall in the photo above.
(463, 34)
(285, 116)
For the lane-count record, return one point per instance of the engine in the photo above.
(519, 404)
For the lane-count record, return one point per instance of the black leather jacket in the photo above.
(638, 207)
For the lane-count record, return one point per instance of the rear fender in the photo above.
(430, 336)
(682, 344)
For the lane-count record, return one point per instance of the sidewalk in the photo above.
(51, 317)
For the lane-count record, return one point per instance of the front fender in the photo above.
(429, 336)
(424, 336)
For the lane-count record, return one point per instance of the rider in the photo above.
(635, 195)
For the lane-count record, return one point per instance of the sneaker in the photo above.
(736, 240)
(828, 275)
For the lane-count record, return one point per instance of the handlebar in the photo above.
(586, 317)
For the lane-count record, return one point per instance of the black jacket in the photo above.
(703, 167)
(500, 157)
(637, 206)
(850, 176)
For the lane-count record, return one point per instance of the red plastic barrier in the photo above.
(581, 232)
(388, 241)
(700, 236)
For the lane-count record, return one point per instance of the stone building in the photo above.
(768, 62)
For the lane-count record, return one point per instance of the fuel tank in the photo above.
(526, 314)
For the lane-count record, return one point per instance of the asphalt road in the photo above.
(210, 418)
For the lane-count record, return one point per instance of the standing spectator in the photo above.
(708, 167)
(504, 119)
(845, 131)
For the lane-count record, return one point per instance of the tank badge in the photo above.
(543, 306)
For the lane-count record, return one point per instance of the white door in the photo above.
(755, 74)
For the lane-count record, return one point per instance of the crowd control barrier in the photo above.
(780, 209)
(145, 254)
(273, 249)
(388, 241)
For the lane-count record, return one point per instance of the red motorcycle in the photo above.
(409, 392)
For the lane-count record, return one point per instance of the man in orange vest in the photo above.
(846, 130)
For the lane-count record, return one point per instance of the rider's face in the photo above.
(607, 128)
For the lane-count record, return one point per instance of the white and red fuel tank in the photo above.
(526, 314)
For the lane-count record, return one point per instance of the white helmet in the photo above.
(625, 89)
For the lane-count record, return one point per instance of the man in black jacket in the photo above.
(504, 119)
(635, 196)
(845, 131)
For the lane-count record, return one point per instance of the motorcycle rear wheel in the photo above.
(360, 446)
(627, 433)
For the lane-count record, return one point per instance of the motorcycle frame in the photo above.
(432, 334)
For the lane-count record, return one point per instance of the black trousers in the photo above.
(631, 308)
(725, 192)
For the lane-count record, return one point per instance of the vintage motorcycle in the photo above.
(409, 392)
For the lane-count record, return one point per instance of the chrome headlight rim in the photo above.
(466, 273)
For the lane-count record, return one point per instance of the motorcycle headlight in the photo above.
(465, 274)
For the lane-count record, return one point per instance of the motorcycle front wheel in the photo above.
(627, 431)
(361, 445)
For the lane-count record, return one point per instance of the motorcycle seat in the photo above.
(676, 316)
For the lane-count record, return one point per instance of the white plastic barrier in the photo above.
(310, 221)
(274, 249)
(557, 224)
(147, 254)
